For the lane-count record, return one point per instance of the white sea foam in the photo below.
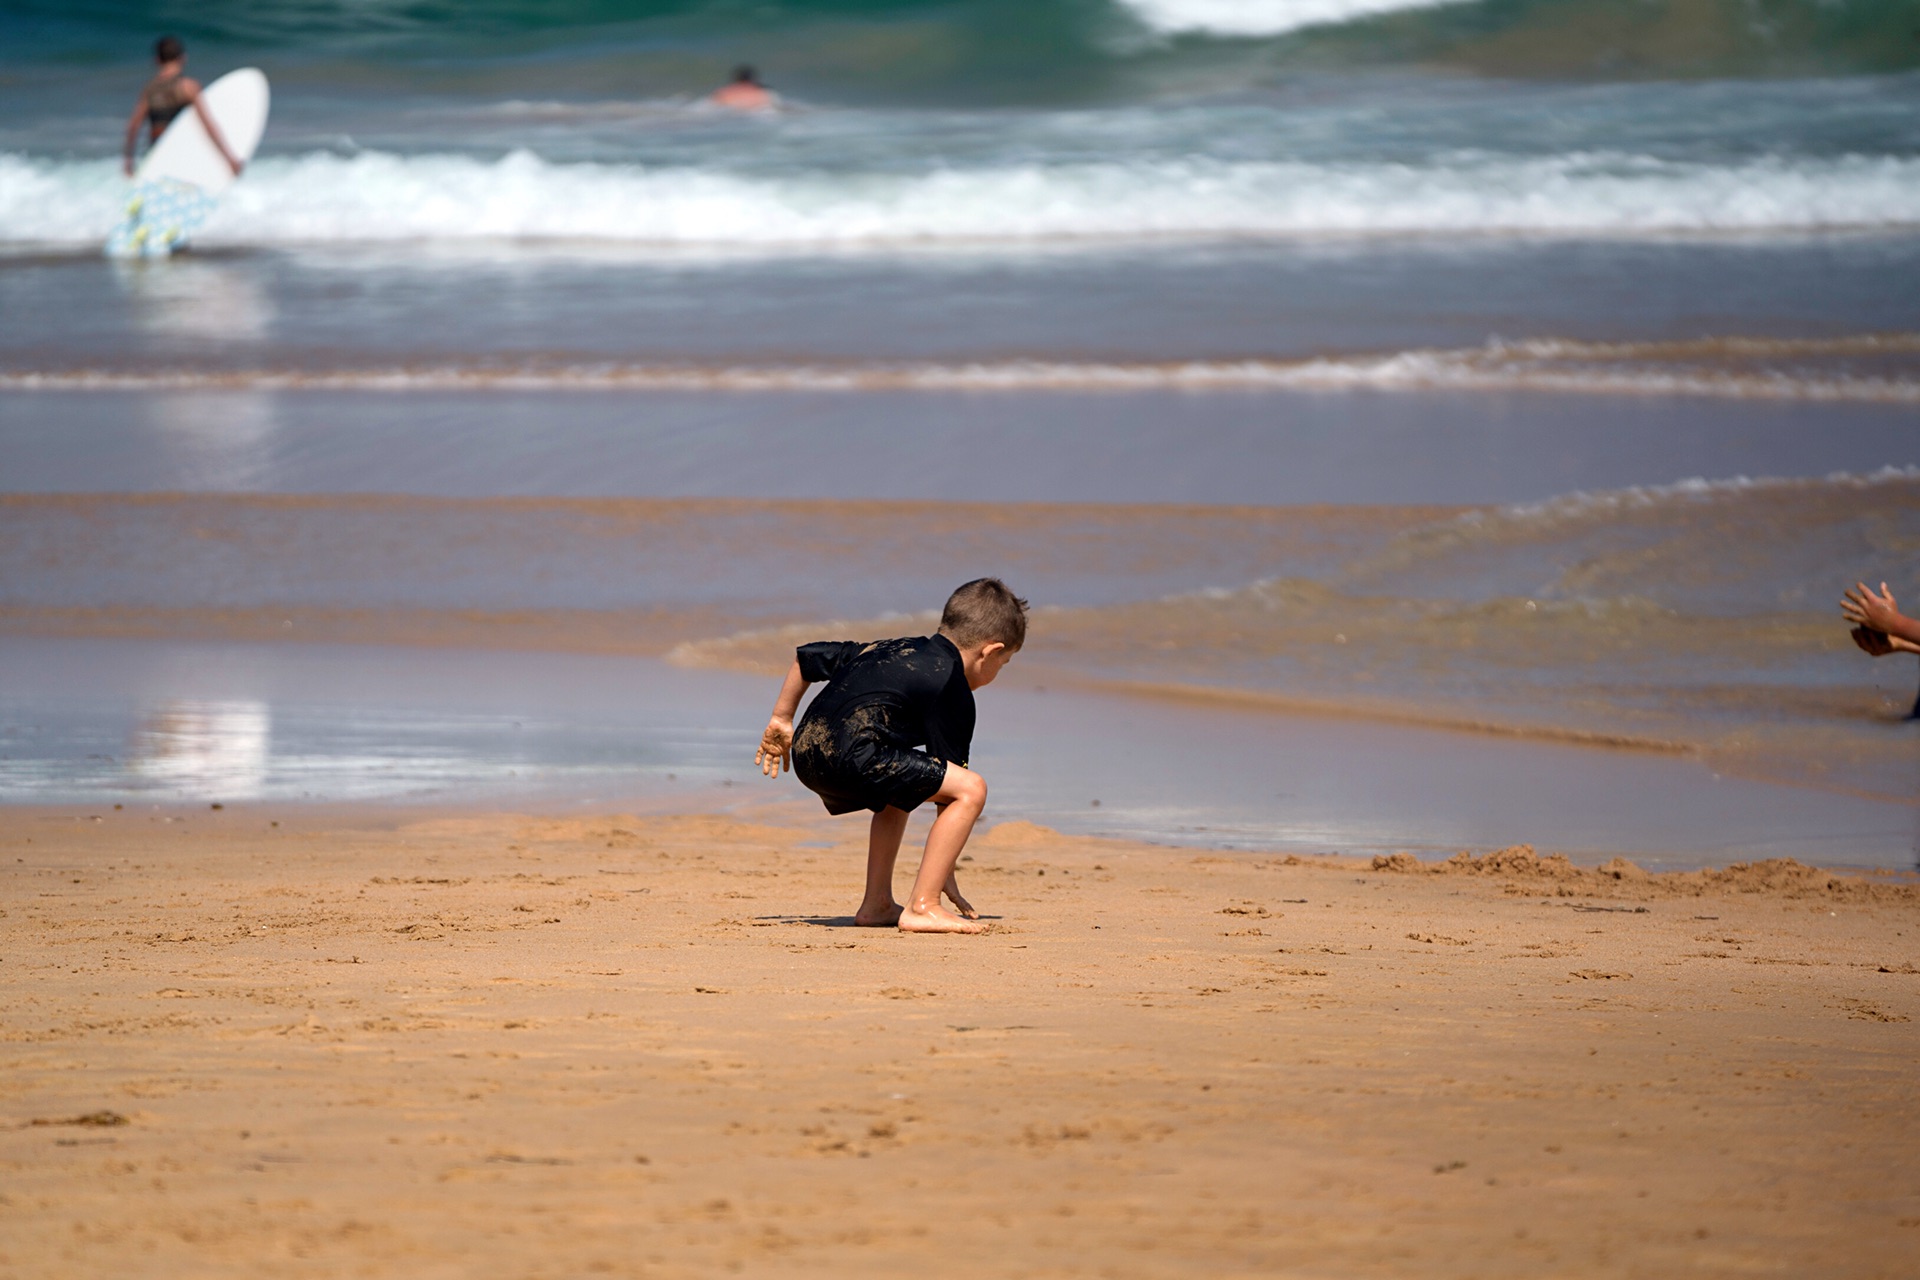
(376, 197)
(1549, 365)
(1582, 503)
(1261, 17)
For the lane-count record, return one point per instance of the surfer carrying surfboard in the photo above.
(168, 94)
(195, 155)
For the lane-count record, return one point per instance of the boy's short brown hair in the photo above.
(984, 610)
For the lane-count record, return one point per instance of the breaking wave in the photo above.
(1261, 18)
(378, 197)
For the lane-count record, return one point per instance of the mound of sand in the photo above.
(1530, 872)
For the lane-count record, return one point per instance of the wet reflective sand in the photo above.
(171, 723)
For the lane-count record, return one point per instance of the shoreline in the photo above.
(103, 721)
(690, 639)
(498, 1044)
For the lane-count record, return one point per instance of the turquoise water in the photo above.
(1033, 49)
(995, 124)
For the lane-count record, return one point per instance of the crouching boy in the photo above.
(858, 745)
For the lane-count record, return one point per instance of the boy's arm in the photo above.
(1862, 607)
(775, 755)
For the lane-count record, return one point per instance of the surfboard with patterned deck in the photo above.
(179, 184)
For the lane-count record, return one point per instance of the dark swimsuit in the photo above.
(164, 102)
(855, 746)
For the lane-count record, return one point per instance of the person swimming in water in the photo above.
(744, 92)
(168, 94)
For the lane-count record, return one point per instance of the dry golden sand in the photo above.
(503, 1046)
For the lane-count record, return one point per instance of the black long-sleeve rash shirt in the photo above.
(920, 682)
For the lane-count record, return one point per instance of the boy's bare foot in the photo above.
(936, 919)
(877, 917)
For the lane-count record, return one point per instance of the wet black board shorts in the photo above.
(859, 763)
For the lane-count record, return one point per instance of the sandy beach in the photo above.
(380, 1042)
(1427, 432)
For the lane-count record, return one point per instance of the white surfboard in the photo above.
(181, 180)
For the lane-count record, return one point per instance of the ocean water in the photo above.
(1543, 368)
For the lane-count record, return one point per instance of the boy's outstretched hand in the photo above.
(775, 755)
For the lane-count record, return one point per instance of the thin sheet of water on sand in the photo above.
(99, 721)
(490, 302)
(1260, 447)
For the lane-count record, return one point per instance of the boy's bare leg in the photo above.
(961, 798)
(883, 846)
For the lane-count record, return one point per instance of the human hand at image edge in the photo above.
(1878, 612)
(1874, 644)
